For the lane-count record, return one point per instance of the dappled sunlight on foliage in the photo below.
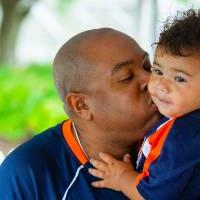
(28, 102)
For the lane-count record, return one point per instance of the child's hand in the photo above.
(110, 170)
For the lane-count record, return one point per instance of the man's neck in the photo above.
(92, 145)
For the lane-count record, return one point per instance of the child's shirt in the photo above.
(169, 159)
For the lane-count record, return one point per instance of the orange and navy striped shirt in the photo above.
(169, 160)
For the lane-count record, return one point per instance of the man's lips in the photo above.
(150, 101)
(152, 104)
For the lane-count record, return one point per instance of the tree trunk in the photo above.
(14, 11)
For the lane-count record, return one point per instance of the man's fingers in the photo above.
(107, 158)
(97, 173)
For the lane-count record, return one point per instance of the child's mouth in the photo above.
(158, 100)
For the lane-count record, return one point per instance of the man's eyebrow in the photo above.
(146, 58)
(146, 55)
(122, 64)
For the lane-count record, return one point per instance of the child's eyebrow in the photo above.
(156, 63)
(174, 69)
(181, 71)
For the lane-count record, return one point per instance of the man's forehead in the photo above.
(111, 48)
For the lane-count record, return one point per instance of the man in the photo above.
(101, 76)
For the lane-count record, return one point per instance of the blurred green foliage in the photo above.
(64, 5)
(185, 2)
(28, 102)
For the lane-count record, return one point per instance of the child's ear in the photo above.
(76, 102)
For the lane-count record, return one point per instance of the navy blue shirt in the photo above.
(170, 160)
(51, 166)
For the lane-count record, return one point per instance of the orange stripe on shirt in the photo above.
(71, 141)
(156, 140)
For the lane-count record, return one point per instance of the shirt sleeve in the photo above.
(171, 172)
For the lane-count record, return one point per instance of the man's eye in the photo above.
(179, 79)
(127, 78)
(156, 71)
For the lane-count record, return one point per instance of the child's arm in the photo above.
(116, 175)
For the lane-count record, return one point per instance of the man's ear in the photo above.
(77, 103)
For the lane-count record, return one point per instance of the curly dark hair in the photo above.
(181, 34)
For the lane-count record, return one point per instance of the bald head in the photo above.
(77, 59)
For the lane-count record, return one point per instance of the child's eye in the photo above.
(179, 79)
(156, 71)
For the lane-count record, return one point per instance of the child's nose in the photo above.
(162, 88)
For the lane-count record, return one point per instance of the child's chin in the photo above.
(166, 114)
(170, 115)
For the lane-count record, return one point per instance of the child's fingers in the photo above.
(99, 184)
(97, 173)
(98, 164)
(107, 158)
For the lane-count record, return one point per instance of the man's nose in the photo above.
(144, 79)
